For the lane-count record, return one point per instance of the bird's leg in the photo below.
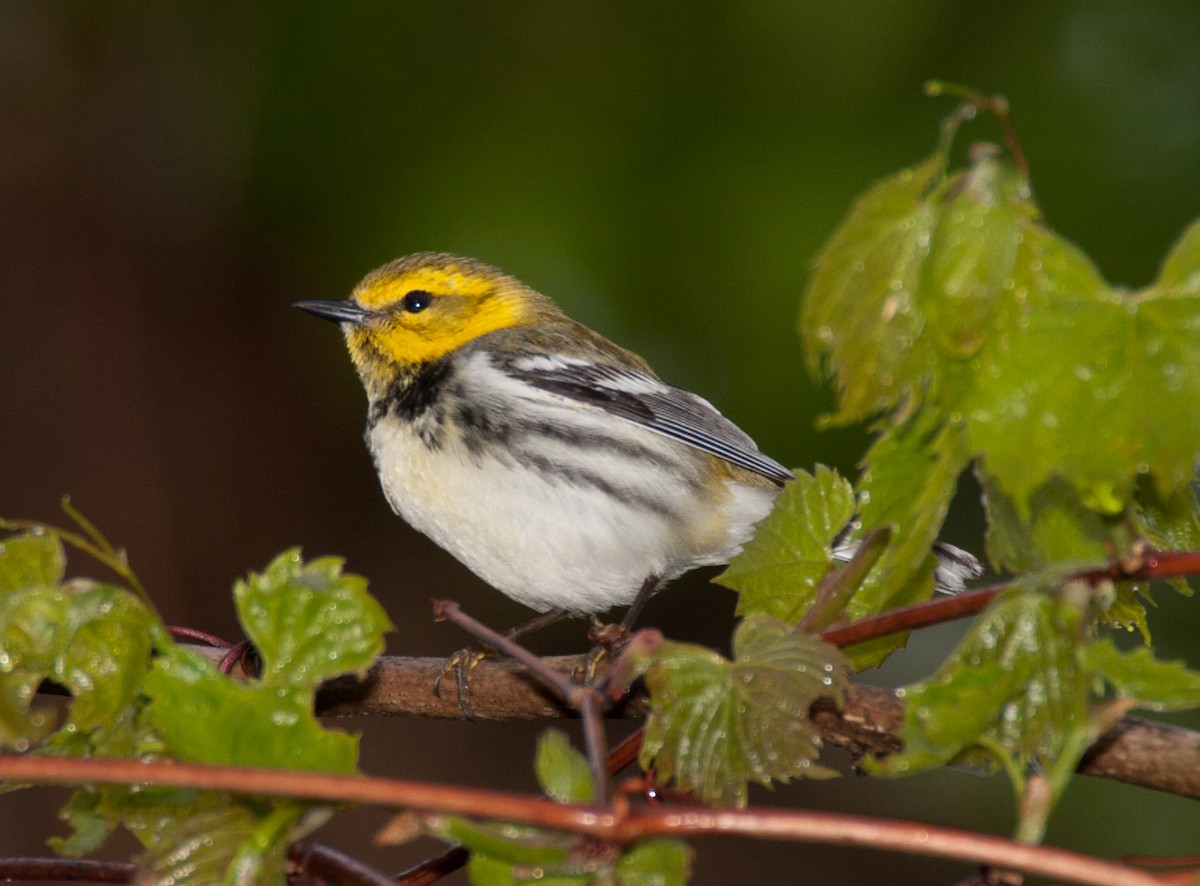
(610, 639)
(465, 660)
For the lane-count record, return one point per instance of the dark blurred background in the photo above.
(174, 176)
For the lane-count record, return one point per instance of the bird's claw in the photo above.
(462, 663)
(609, 640)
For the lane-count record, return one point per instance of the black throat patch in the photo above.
(417, 398)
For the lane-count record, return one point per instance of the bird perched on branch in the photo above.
(554, 464)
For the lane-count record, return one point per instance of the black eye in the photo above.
(416, 301)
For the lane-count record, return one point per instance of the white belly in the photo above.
(551, 543)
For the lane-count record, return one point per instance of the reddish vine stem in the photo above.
(618, 826)
(314, 859)
(79, 870)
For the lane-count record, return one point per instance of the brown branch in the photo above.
(614, 825)
(1141, 752)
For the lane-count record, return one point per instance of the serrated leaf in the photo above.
(656, 863)
(909, 478)
(1158, 685)
(974, 248)
(106, 654)
(859, 311)
(561, 770)
(31, 560)
(309, 622)
(94, 641)
(717, 725)
(778, 571)
(206, 717)
(1109, 367)
(1013, 685)
(32, 629)
(1170, 522)
(229, 844)
(1181, 268)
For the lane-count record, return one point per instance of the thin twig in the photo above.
(433, 869)
(328, 865)
(77, 870)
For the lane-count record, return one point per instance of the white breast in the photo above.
(554, 524)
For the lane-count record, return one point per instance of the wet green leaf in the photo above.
(31, 560)
(1159, 685)
(563, 771)
(309, 622)
(859, 313)
(780, 568)
(1181, 269)
(229, 844)
(656, 863)
(1014, 686)
(205, 717)
(717, 725)
(1077, 393)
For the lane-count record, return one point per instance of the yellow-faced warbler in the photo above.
(554, 464)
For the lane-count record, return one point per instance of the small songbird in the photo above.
(554, 464)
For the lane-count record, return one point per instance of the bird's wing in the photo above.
(645, 400)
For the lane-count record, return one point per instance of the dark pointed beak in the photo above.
(337, 311)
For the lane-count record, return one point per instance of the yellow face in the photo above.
(424, 306)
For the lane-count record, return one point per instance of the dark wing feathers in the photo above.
(644, 400)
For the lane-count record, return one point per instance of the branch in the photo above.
(1135, 751)
(617, 825)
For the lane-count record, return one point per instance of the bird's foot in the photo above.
(608, 641)
(462, 663)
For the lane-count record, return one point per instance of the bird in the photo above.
(556, 465)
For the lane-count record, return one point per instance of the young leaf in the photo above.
(31, 641)
(229, 844)
(310, 622)
(716, 725)
(561, 770)
(1014, 685)
(31, 560)
(1108, 368)
(105, 654)
(778, 571)
(1158, 685)
(656, 863)
(1181, 269)
(206, 717)
(859, 311)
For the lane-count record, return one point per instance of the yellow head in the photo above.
(421, 307)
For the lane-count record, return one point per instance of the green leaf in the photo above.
(1013, 686)
(105, 654)
(973, 250)
(32, 630)
(1158, 685)
(31, 560)
(521, 850)
(310, 622)
(229, 844)
(716, 725)
(1077, 391)
(1181, 269)
(561, 770)
(778, 571)
(206, 717)
(859, 311)
(92, 640)
(656, 863)
(1170, 522)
